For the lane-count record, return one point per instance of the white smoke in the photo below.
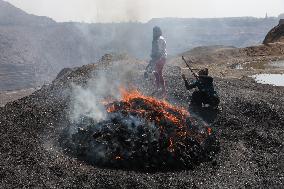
(86, 104)
(88, 101)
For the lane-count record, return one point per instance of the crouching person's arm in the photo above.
(187, 85)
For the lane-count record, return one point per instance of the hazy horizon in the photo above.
(142, 11)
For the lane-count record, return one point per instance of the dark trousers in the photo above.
(199, 97)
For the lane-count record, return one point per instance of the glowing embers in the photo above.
(143, 132)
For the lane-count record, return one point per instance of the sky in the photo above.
(144, 10)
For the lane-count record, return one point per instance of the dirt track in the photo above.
(229, 62)
(250, 128)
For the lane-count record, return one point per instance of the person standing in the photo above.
(158, 58)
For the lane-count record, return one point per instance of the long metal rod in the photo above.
(187, 64)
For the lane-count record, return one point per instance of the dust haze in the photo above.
(143, 11)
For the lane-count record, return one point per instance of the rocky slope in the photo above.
(276, 34)
(250, 127)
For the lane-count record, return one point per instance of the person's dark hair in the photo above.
(203, 71)
(157, 32)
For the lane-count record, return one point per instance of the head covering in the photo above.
(203, 71)
(157, 32)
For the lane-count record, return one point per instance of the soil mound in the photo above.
(143, 133)
(249, 126)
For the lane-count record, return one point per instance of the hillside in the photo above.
(34, 49)
(232, 62)
(10, 15)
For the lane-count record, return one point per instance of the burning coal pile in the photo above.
(143, 133)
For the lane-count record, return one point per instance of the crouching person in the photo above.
(206, 94)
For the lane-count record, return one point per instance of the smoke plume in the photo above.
(87, 101)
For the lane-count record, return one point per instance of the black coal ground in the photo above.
(250, 128)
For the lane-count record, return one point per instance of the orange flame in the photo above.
(176, 115)
(111, 108)
(209, 130)
(159, 104)
(171, 146)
